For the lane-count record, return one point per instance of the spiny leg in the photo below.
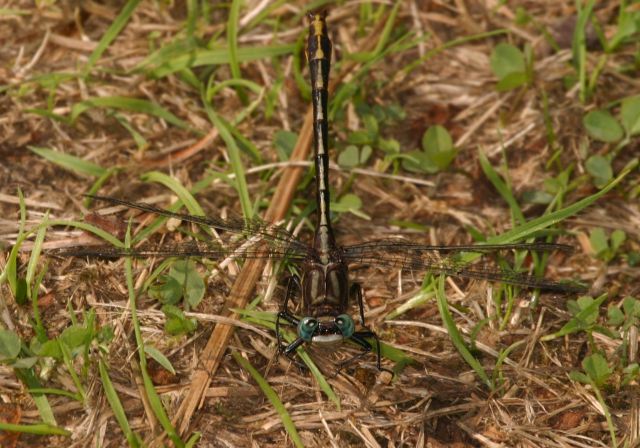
(290, 352)
(285, 314)
(356, 292)
(358, 336)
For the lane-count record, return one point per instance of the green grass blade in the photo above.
(262, 316)
(110, 35)
(537, 224)
(99, 182)
(193, 13)
(236, 161)
(67, 358)
(39, 429)
(167, 54)
(46, 114)
(109, 238)
(193, 440)
(175, 207)
(577, 322)
(396, 355)
(69, 162)
(160, 358)
(130, 104)
(271, 395)
(383, 37)
(8, 12)
(579, 45)
(413, 302)
(53, 391)
(214, 89)
(219, 56)
(456, 336)
(185, 197)
(502, 187)
(174, 185)
(141, 142)
(35, 252)
(11, 270)
(244, 144)
(152, 395)
(116, 406)
(158, 408)
(232, 40)
(298, 65)
(498, 373)
(28, 377)
(33, 283)
(607, 415)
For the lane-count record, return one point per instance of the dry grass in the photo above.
(436, 402)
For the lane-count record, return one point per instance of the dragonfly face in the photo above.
(326, 330)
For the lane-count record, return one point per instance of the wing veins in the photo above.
(253, 227)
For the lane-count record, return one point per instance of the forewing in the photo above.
(400, 244)
(247, 227)
(241, 239)
(211, 250)
(448, 260)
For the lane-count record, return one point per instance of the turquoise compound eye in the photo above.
(307, 327)
(346, 325)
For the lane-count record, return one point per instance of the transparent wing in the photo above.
(400, 244)
(250, 227)
(252, 239)
(449, 260)
(212, 250)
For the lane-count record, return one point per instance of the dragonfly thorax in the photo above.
(325, 288)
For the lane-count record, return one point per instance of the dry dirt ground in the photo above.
(435, 65)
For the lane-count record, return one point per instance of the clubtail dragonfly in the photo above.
(324, 284)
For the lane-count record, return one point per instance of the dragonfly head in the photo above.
(311, 329)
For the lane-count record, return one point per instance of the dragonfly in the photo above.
(323, 285)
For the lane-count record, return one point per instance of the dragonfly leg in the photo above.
(293, 285)
(359, 338)
(291, 348)
(293, 282)
(356, 292)
(284, 313)
(290, 318)
(290, 351)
